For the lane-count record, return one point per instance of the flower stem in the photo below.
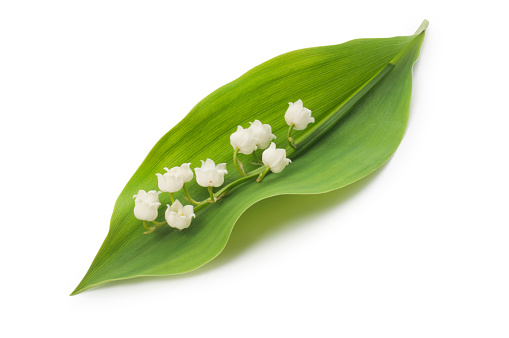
(145, 225)
(237, 163)
(249, 175)
(221, 193)
(172, 196)
(262, 175)
(290, 138)
(201, 205)
(153, 228)
(189, 198)
(159, 224)
(149, 231)
(211, 192)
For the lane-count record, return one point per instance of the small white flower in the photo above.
(186, 172)
(171, 181)
(146, 204)
(298, 115)
(243, 140)
(261, 132)
(210, 174)
(275, 159)
(178, 216)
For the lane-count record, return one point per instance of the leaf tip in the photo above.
(76, 291)
(80, 288)
(422, 27)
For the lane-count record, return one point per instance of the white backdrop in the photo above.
(419, 249)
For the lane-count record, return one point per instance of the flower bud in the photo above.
(275, 159)
(210, 174)
(146, 204)
(297, 115)
(179, 216)
(261, 132)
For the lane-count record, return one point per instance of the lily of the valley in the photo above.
(275, 159)
(146, 204)
(171, 181)
(179, 216)
(174, 178)
(186, 172)
(262, 133)
(297, 115)
(210, 174)
(243, 140)
(258, 135)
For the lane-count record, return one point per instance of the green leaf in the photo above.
(359, 92)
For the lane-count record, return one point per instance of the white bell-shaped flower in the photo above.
(210, 174)
(146, 204)
(179, 216)
(299, 116)
(243, 140)
(261, 132)
(275, 159)
(186, 172)
(171, 181)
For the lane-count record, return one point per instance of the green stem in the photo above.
(236, 163)
(290, 138)
(201, 205)
(153, 228)
(172, 196)
(262, 175)
(159, 224)
(145, 225)
(211, 192)
(228, 187)
(149, 231)
(189, 198)
(249, 175)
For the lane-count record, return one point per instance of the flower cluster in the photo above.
(177, 216)
(257, 136)
(210, 175)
